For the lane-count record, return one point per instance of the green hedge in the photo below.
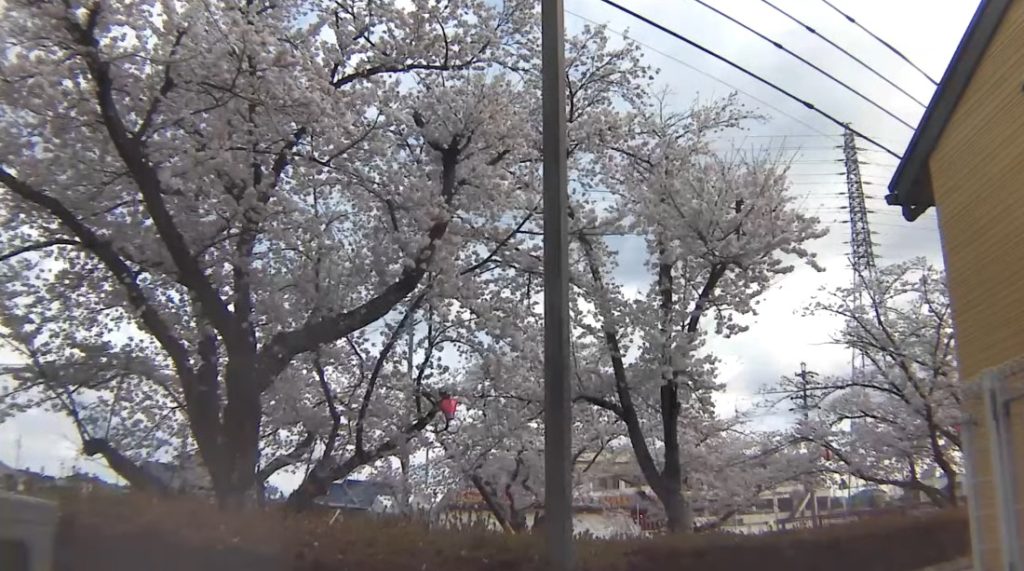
(131, 532)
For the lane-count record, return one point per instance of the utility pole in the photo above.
(557, 364)
(803, 390)
(804, 405)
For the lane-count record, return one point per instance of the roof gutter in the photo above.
(911, 186)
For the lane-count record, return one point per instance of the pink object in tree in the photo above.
(447, 406)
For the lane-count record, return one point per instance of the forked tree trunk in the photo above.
(678, 511)
(318, 481)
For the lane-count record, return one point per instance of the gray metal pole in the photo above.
(557, 364)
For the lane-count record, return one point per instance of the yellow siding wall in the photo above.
(977, 173)
(978, 176)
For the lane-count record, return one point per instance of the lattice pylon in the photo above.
(862, 254)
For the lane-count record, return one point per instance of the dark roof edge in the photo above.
(906, 188)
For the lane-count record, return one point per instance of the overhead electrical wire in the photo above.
(806, 62)
(845, 52)
(881, 41)
(789, 136)
(737, 66)
(704, 73)
(816, 161)
(805, 149)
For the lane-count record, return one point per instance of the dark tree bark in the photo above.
(326, 471)
(492, 503)
(222, 399)
(665, 482)
(138, 478)
(283, 461)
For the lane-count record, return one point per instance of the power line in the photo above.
(881, 41)
(702, 72)
(816, 174)
(788, 135)
(887, 225)
(817, 184)
(834, 174)
(829, 193)
(815, 161)
(805, 149)
(845, 52)
(907, 227)
(723, 59)
(806, 62)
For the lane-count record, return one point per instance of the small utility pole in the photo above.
(557, 365)
(803, 392)
(804, 404)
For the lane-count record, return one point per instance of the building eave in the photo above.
(911, 185)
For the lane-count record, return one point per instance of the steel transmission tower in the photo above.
(862, 255)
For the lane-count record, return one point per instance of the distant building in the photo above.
(368, 496)
(86, 483)
(26, 481)
(10, 479)
(600, 517)
(613, 481)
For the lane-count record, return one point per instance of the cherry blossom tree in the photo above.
(375, 407)
(730, 466)
(485, 313)
(499, 446)
(260, 198)
(222, 188)
(717, 228)
(896, 421)
(106, 393)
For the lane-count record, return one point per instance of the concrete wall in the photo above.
(27, 530)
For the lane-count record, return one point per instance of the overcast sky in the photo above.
(926, 31)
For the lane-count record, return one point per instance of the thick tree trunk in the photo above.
(678, 512)
(517, 519)
(228, 439)
(243, 416)
(677, 509)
